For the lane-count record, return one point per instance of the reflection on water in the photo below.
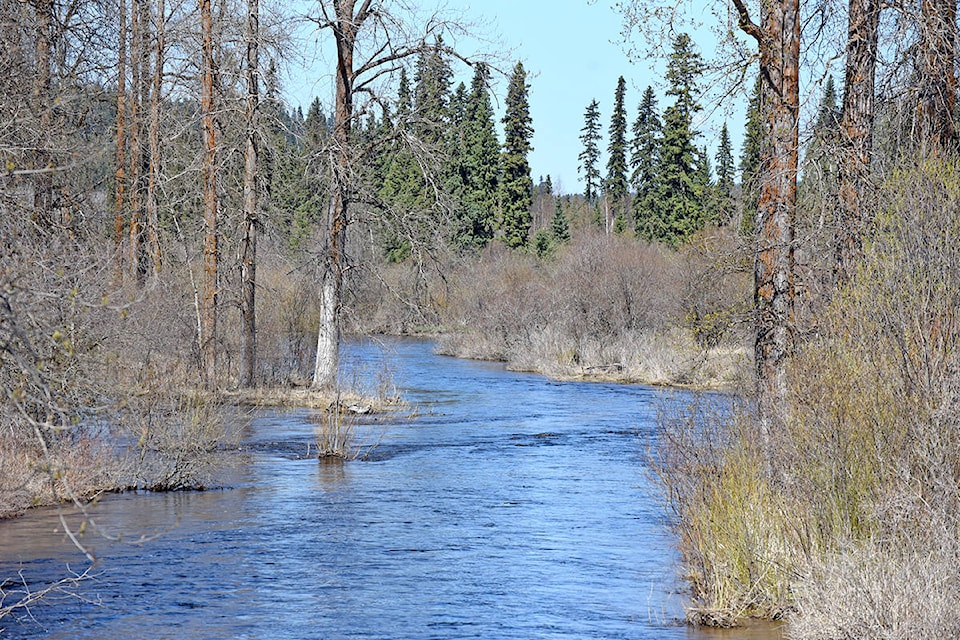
(511, 506)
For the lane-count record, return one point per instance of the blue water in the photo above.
(506, 506)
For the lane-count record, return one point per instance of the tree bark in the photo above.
(778, 37)
(139, 158)
(248, 260)
(345, 25)
(43, 204)
(119, 223)
(856, 135)
(938, 82)
(153, 168)
(208, 311)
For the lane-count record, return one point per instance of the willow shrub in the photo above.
(852, 503)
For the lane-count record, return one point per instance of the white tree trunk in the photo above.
(328, 336)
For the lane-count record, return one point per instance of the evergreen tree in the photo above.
(678, 211)
(516, 187)
(645, 148)
(590, 156)
(481, 164)
(560, 226)
(724, 203)
(431, 94)
(750, 162)
(616, 182)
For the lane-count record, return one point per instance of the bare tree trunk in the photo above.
(778, 36)
(208, 314)
(43, 204)
(139, 159)
(153, 169)
(248, 259)
(345, 26)
(856, 134)
(119, 224)
(938, 81)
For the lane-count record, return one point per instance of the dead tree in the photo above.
(248, 257)
(208, 304)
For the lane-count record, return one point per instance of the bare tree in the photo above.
(856, 134)
(937, 90)
(121, 154)
(153, 167)
(778, 38)
(248, 258)
(42, 105)
(208, 313)
(389, 45)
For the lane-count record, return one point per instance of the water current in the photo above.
(506, 506)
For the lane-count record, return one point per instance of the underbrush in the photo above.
(604, 307)
(844, 516)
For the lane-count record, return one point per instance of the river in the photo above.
(506, 506)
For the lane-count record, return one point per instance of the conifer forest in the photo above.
(177, 239)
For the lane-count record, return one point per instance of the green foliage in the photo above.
(560, 227)
(750, 162)
(615, 186)
(645, 157)
(677, 210)
(481, 165)
(590, 156)
(724, 200)
(516, 187)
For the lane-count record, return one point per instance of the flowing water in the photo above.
(507, 506)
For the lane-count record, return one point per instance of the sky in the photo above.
(569, 49)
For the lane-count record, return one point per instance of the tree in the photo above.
(590, 156)
(358, 72)
(211, 254)
(937, 90)
(750, 162)
(724, 201)
(778, 39)
(678, 211)
(516, 186)
(482, 163)
(248, 251)
(616, 182)
(856, 133)
(560, 226)
(645, 159)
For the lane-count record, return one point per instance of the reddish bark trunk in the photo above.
(208, 313)
(153, 169)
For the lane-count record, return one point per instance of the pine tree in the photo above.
(481, 165)
(590, 156)
(560, 226)
(750, 162)
(516, 187)
(724, 203)
(431, 94)
(679, 205)
(616, 182)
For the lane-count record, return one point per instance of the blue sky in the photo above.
(569, 50)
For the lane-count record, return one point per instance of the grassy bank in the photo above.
(843, 515)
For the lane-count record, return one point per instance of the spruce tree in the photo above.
(678, 211)
(481, 164)
(616, 182)
(724, 203)
(590, 156)
(560, 226)
(645, 155)
(516, 186)
(750, 162)
(431, 94)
